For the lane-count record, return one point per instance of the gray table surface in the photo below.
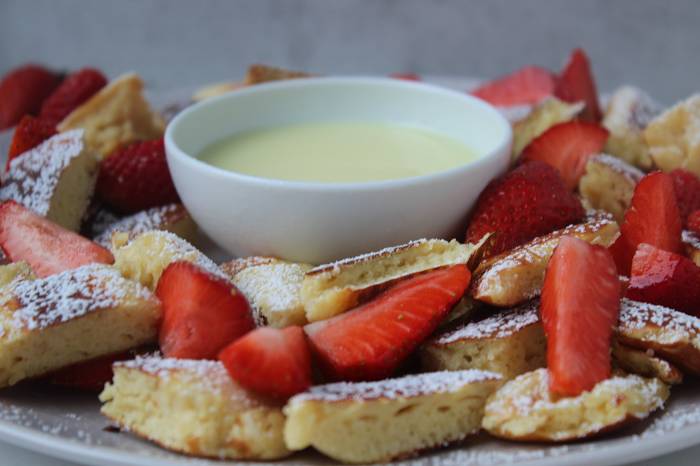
(175, 43)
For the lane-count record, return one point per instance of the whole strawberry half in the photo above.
(665, 278)
(525, 86)
(567, 147)
(575, 83)
(580, 306)
(371, 341)
(653, 218)
(23, 90)
(47, 248)
(76, 89)
(202, 313)
(269, 361)
(136, 178)
(687, 188)
(529, 201)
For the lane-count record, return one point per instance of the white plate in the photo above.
(67, 425)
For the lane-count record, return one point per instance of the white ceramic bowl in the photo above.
(320, 222)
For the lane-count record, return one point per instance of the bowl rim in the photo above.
(194, 163)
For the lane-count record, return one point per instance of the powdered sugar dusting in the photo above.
(619, 166)
(691, 239)
(500, 325)
(74, 293)
(637, 315)
(334, 267)
(180, 249)
(156, 218)
(403, 387)
(33, 177)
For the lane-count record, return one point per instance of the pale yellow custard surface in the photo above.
(338, 152)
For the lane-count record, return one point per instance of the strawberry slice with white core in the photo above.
(579, 308)
(371, 341)
(47, 247)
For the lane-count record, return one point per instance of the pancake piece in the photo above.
(193, 407)
(395, 418)
(116, 116)
(272, 287)
(56, 179)
(691, 243)
(671, 334)
(74, 316)
(629, 111)
(330, 289)
(509, 343)
(672, 137)
(16, 272)
(259, 74)
(516, 276)
(645, 363)
(171, 217)
(144, 257)
(608, 184)
(525, 410)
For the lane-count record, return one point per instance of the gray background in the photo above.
(652, 43)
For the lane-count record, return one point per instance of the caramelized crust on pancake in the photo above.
(145, 257)
(330, 289)
(608, 184)
(629, 111)
(670, 334)
(74, 316)
(389, 419)
(524, 409)
(272, 287)
(172, 217)
(510, 343)
(193, 407)
(672, 137)
(117, 115)
(56, 179)
(645, 363)
(258, 74)
(691, 242)
(516, 276)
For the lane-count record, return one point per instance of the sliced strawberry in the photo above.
(653, 218)
(687, 187)
(272, 362)
(136, 178)
(75, 90)
(47, 248)
(694, 222)
(202, 313)
(576, 84)
(371, 341)
(527, 202)
(23, 90)
(579, 315)
(526, 86)
(405, 76)
(90, 375)
(665, 278)
(567, 147)
(29, 133)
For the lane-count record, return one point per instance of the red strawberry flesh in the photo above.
(525, 203)
(576, 84)
(75, 90)
(271, 362)
(525, 86)
(580, 306)
(202, 313)
(29, 133)
(22, 92)
(653, 218)
(371, 341)
(665, 278)
(47, 248)
(567, 147)
(687, 188)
